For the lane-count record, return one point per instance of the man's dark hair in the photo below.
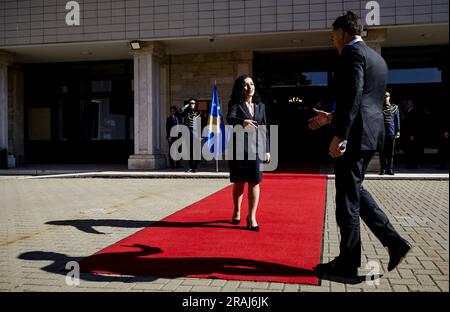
(349, 23)
(174, 108)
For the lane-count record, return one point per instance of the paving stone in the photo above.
(231, 286)
(219, 283)
(405, 281)
(148, 286)
(425, 280)
(423, 288)
(183, 288)
(276, 286)
(443, 285)
(196, 282)
(291, 288)
(400, 288)
(257, 285)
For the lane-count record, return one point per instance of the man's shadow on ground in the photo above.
(134, 263)
(131, 263)
(88, 225)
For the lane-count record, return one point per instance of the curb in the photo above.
(67, 174)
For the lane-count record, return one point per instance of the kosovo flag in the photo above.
(216, 125)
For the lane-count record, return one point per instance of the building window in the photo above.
(106, 126)
(316, 78)
(415, 75)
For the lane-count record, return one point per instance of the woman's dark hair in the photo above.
(238, 93)
(349, 23)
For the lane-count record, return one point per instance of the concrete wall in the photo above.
(25, 22)
(193, 75)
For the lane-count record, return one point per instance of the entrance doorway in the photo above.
(79, 112)
(291, 85)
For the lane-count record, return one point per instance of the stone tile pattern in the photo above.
(121, 207)
(25, 22)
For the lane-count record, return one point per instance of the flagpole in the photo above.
(217, 161)
(215, 119)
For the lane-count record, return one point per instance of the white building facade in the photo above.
(72, 90)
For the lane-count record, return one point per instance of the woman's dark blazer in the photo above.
(246, 170)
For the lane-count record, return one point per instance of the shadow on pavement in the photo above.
(59, 267)
(131, 263)
(87, 225)
(137, 263)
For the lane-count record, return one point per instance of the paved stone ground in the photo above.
(95, 213)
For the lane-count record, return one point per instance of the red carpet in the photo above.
(199, 240)
(297, 168)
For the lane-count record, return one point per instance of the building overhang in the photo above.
(398, 36)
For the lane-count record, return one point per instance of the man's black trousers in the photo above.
(353, 202)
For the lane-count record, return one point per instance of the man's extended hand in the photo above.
(321, 119)
(335, 147)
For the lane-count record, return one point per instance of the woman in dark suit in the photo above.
(245, 109)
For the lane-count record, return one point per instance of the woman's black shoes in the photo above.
(250, 227)
(249, 224)
(235, 221)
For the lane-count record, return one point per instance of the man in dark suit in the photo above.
(171, 121)
(358, 130)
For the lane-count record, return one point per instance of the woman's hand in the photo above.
(267, 158)
(251, 124)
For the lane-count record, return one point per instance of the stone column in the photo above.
(16, 131)
(164, 100)
(374, 40)
(5, 61)
(147, 122)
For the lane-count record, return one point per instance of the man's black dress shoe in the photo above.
(397, 253)
(235, 221)
(335, 268)
(381, 172)
(390, 172)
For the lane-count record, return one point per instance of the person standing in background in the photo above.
(190, 114)
(171, 121)
(392, 132)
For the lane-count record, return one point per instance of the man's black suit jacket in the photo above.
(170, 122)
(359, 85)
